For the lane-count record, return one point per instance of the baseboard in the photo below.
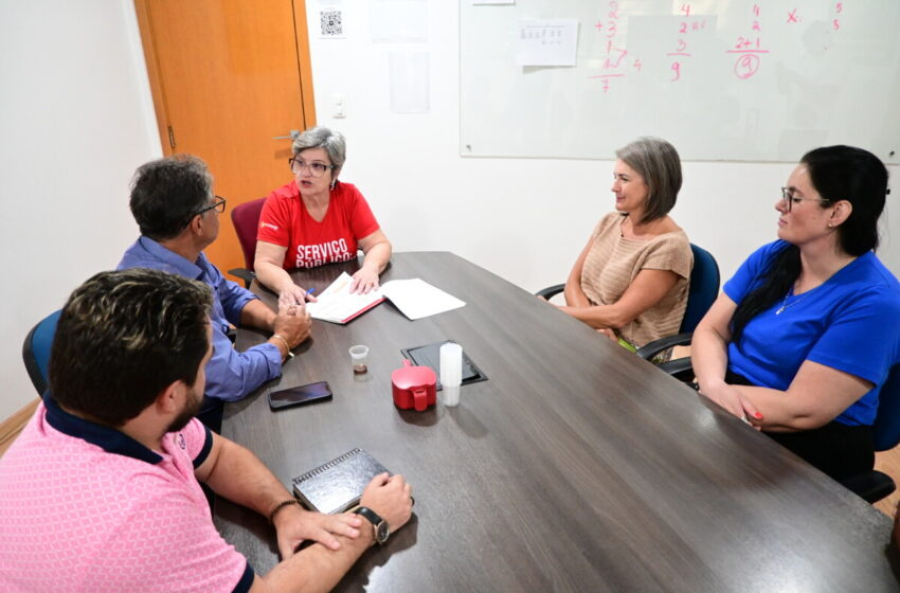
(12, 426)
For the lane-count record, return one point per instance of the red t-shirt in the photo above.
(285, 221)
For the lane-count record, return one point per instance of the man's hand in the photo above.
(292, 323)
(390, 497)
(295, 525)
(365, 280)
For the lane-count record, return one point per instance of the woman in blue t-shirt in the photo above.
(806, 331)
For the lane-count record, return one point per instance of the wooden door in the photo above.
(228, 76)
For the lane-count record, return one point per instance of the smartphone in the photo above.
(297, 396)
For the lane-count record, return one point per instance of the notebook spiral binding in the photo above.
(326, 466)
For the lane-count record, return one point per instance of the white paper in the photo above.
(409, 82)
(394, 21)
(417, 299)
(477, 2)
(336, 304)
(414, 297)
(547, 42)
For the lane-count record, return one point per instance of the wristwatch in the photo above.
(381, 527)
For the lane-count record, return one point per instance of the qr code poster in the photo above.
(331, 22)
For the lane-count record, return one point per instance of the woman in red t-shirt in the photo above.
(316, 220)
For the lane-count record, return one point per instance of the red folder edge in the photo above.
(363, 310)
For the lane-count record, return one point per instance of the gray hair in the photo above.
(657, 162)
(166, 194)
(322, 137)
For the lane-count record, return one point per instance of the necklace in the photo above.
(786, 305)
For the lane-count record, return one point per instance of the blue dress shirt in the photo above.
(230, 375)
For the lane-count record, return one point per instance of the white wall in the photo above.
(524, 219)
(77, 119)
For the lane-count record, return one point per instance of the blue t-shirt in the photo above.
(850, 323)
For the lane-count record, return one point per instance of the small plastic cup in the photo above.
(451, 395)
(359, 355)
(451, 372)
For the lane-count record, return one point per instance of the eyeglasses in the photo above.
(218, 205)
(787, 194)
(315, 169)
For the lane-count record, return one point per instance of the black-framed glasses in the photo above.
(316, 169)
(218, 205)
(787, 195)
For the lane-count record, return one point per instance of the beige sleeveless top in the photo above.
(614, 261)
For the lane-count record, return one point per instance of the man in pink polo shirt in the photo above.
(100, 492)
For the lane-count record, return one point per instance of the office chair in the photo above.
(702, 292)
(245, 218)
(36, 351)
(874, 485)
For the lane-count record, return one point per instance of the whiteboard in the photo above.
(735, 80)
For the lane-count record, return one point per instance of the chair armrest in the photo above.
(550, 291)
(680, 368)
(871, 486)
(650, 350)
(244, 274)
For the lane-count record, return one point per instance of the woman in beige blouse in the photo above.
(631, 280)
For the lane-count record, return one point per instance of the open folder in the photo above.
(415, 298)
(337, 305)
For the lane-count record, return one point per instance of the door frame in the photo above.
(304, 64)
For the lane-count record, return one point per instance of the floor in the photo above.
(889, 463)
(12, 426)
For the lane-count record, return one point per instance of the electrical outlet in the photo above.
(338, 106)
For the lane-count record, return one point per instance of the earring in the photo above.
(333, 182)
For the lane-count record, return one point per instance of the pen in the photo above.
(310, 291)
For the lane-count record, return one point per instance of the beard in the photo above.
(191, 407)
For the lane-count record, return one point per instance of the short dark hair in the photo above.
(858, 176)
(658, 163)
(125, 336)
(167, 193)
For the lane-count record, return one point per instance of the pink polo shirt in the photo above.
(86, 508)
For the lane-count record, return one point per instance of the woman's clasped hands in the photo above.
(735, 402)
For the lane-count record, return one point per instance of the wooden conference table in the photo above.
(575, 467)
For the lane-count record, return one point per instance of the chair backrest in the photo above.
(245, 218)
(704, 288)
(886, 429)
(36, 351)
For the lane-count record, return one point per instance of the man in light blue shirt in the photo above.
(172, 202)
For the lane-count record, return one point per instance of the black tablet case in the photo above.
(430, 356)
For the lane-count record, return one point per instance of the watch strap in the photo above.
(373, 518)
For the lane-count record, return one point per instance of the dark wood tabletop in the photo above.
(576, 467)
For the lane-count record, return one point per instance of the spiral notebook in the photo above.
(336, 486)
